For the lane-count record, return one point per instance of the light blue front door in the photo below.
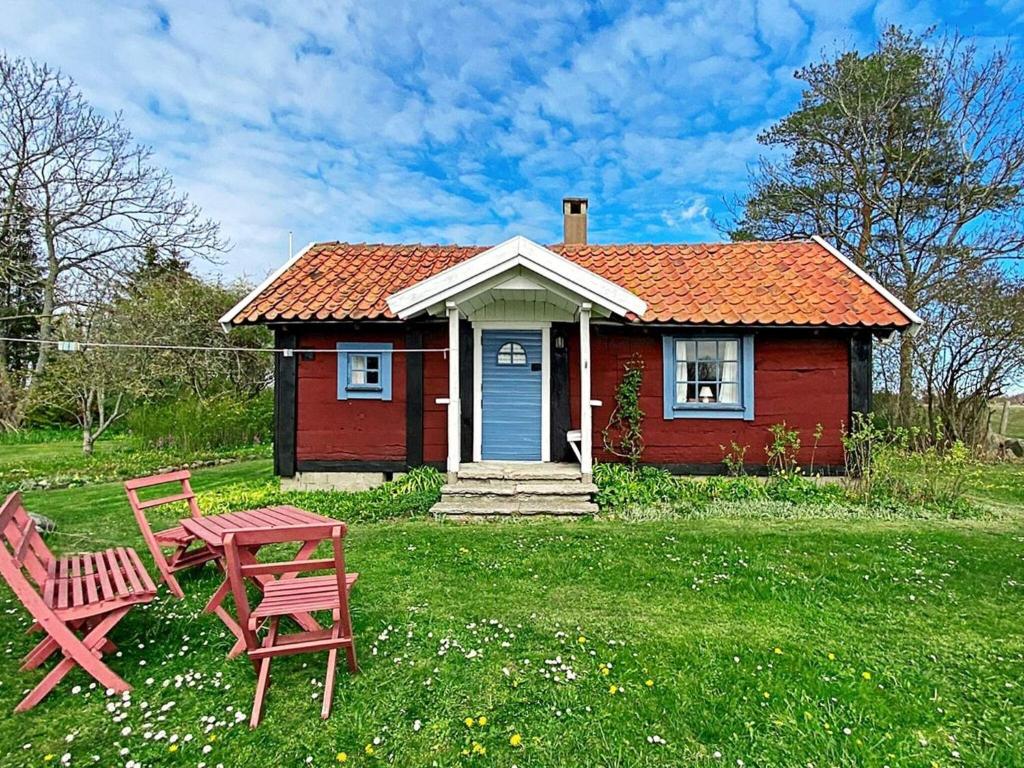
(511, 395)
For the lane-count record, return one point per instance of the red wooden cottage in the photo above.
(471, 358)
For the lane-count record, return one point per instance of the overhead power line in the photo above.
(68, 345)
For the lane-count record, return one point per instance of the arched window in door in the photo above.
(511, 353)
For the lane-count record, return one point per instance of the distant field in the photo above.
(1016, 424)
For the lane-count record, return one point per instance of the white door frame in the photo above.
(545, 380)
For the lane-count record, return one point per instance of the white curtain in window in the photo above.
(681, 381)
(729, 392)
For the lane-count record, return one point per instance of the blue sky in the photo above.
(455, 122)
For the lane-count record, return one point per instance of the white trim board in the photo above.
(229, 316)
(515, 252)
(914, 318)
(545, 381)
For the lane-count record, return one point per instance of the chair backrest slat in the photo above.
(182, 477)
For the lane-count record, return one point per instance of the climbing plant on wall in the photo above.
(623, 437)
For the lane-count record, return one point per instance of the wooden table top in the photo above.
(215, 528)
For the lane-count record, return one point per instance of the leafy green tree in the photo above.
(911, 159)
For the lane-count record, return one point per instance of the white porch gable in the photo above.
(514, 282)
(488, 270)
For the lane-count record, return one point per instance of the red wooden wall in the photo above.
(348, 430)
(800, 377)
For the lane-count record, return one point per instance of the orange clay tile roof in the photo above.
(745, 283)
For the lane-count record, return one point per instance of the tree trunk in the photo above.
(905, 398)
(87, 440)
(49, 300)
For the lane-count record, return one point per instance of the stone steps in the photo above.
(496, 490)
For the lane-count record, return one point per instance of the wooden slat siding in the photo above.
(92, 594)
(329, 429)
(466, 353)
(76, 585)
(286, 374)
(860, 373)
(561, 419)
(801, 377)
(414, 398)
(104, 571)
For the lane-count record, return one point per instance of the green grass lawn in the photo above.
(1015, 424)
(830, 643)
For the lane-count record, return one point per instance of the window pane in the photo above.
(372, 362)
(729, 393)
(681, 354)
(707, 350)
(691, 393)
(357, 362)
(356, 376)
(511, 353)
(373, 377)
(707, 372)
(681, 392)
(728, 350)
(730, 372)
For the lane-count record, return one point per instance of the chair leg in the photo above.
(332, 663)
(263, 678)
(350, 652)
(43, 650)
(85, 654)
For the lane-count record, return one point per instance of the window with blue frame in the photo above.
(709, 377)
(364, 371)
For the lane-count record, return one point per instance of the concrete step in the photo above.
(524, 488)
(500, 470)
(503, 509)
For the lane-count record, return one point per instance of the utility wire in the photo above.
(77, 346)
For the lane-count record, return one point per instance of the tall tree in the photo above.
(910, 158)
(95, 197)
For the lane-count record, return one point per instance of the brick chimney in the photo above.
(574, 214)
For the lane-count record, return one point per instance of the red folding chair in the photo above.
(177, 539)
(75, 599)
(288, 594)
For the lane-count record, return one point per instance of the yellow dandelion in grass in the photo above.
(767, 695)
(866, 675)
(613, 689)
(649, 683)
(48, 757)
(831, 656)
(213, 737)
(481, 721)
(516, 740)
(469, 722)
(581, 640)
(369, 749)
(341, 757)
(172, 748)
(479, 749)
(778, 651)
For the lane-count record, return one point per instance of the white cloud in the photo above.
(420, 121)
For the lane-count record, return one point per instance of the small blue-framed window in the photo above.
(364, 370)
(708, 377)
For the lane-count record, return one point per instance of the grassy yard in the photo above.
(714, 642)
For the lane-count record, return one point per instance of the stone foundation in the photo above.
(335, 481)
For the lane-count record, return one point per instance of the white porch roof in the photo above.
(514, 267)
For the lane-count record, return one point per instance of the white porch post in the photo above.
(586, 439)
(454, 420)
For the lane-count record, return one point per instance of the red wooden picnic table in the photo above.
(213, 529)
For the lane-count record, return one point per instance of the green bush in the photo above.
(411, 495)
(192, 424)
